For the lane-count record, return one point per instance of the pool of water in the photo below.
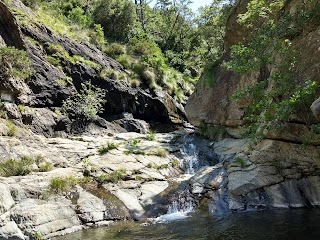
(301, 224)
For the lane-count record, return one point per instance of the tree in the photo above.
(117, 17)
(211, 28)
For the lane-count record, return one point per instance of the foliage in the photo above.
(116, 49)
(15, 63)
(116, 17)
(107, 147)
(175, 163)
(154, 166)
(132, 147)
(45, 167)
(12, 129)
(86, 104)
(284, 92)
(97, 37)
(240, 161)
(13, 167)
(76, 15)
(63, 184)
(161, 152)
(31, 3)
(151, 136)
(169, 40)
(114, 177)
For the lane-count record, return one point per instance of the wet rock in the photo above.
(218, 205)
(89, 207)
(242, 182)
(285, 195)
(210, 177)
(310, 190)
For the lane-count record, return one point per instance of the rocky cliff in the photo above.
(54, 81)
(280, 171)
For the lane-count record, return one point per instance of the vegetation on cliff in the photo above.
(283, 91)
(165, 47)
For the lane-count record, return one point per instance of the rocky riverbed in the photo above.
(30, 206)
(134, 176)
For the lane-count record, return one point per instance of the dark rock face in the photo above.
(52, 83)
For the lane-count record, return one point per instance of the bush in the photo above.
(13, 167)
(97, 36)
(151, 136)
(161, 152)
(107, 147)
(63, 184)
(113, 177)
(116, 49)
(12, 129)
(76, 15)
(31, 3)
(45, 167)
(86, 104)
(14, 63)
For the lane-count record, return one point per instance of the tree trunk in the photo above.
(142, 14)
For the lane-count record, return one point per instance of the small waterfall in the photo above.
(190, 156)
(178, 210)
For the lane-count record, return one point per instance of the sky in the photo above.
(196, 4)
(199, 3)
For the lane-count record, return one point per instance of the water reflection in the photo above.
(279, 225)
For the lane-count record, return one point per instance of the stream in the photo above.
(280, 224)
(183, 221)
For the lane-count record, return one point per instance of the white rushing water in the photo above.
(178, 210)
(180, 207)
(190, 156)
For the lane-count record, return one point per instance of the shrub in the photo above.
(134, 151)
(31, 3)
(113, 177)
(151, 136)
(54, 61)
(125, 60)
(175, 163)
(12, 129)
(161, 152)
(97, 36)
(240, 161)
(135, 82)
(45, 167)
(15, 63)
(86, 104)
(76, 15)
(13, 167)
(116, 49)
(63, 184)
(107, 147)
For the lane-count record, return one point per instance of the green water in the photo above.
(301, 224)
